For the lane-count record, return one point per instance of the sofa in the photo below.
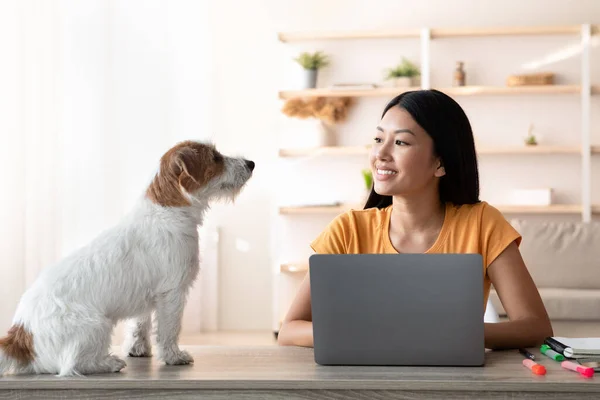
(563, 259)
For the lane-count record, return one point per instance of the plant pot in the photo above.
(403, 81)
(310, 78)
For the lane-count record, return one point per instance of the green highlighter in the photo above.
(547, 351)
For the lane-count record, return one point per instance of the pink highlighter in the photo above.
(585, 371)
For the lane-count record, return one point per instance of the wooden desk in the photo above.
(271, 372)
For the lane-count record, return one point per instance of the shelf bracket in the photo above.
(425, 58)
(586, 150)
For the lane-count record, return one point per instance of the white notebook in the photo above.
(580, 347)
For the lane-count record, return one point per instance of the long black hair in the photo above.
(447, 124)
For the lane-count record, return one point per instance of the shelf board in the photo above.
(286, 37)
(510, 90)
(551, 209)
(364, 150)
(505, 31)
(508, 209)
(300, 210)
(435, 33)
(327, 92)
(451, 91)
(538, 149)
(325, 151)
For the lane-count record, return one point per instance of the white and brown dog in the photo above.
(145, 264)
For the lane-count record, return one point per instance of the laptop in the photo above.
(397, 309)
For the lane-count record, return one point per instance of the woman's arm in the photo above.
(296, 329)
(528, 323)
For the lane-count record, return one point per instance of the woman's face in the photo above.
(402, 157)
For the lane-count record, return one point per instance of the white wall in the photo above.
(13, 276)
(246, 70)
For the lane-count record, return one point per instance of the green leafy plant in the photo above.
(405, 69)
(368, 178)
(314, 60)
(530, 140)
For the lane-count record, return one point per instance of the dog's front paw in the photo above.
(139, 348)
(179, 357)
(115, 363)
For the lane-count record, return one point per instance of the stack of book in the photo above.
(586, 351)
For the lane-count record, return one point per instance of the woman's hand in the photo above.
(296, 329)
(528, 323)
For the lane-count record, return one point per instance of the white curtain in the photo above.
(92, 93)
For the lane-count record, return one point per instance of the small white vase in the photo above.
(323, 133)
(308, 133)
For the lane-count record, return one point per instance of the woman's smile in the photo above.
(384, 174)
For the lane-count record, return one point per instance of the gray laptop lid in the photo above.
(397, 309)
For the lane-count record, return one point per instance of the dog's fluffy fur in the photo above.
(145, 264)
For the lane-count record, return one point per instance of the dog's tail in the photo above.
(16, 349)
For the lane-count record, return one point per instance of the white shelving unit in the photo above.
(584, 90)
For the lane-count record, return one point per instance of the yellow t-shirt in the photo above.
(471, 228)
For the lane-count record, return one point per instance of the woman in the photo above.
(425, 199)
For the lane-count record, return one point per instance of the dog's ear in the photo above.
(196, 164)
(188, 166)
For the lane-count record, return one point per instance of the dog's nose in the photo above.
(250, 165)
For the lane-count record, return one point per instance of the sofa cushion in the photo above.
(561, 254)
(565, 304)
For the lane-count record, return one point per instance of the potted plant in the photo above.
(530, 139)
(312, 62)
(402, 75)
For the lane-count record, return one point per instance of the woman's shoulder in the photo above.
(360, 219)
(370, 216)
(482, 213)
(340, 234)
(368, 212)
(482, 208)
(492, 230)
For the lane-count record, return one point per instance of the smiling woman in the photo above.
(425, 199)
